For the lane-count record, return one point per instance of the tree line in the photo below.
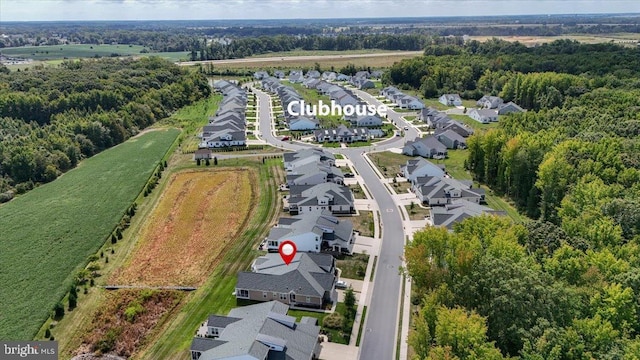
(51, 118)
(565, 284)
(244, 47)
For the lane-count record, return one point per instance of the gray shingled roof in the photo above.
(220, 321)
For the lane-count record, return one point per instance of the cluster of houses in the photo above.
(361, 80)
(450, 200)
(401, 99)
(264, 330)
(488, 107)
(363, 127)
(228, 126)
(289, 95)
(448, 134)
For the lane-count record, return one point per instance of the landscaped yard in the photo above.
(340, 335)
(48, 233)
(416, 212)
(353, 267)
(454, 164)
(401, 187)
(363, 223)
(357, 191)
(388, 162)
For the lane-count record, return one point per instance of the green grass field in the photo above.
(48, 233)
(57, 52)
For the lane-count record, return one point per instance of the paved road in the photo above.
(379, 338)
(300, 58)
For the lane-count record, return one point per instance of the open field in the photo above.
(214, 295)
(301, 52)
(472, 123)
(627, 39)
(191, 119)
(388, 162)
(48, 233)
(126, 319)
(184, 236)
(58, 52)
(373, 60)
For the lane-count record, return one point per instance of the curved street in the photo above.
(379, 336)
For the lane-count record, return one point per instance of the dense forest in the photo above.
(565, 285)
(51, 118)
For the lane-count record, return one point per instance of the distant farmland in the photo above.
(47, 234)
(58, 52)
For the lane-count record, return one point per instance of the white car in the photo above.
(406, 128)
(341, 284)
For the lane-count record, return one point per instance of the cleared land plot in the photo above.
(197, 215)
(416, 212)
(57, 52)
(353, 267)
(48, 233)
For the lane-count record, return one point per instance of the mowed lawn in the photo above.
(181, 242)
(47, 234)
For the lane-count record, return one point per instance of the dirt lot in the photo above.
(197, 215)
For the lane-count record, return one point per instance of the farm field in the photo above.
(214, 296)
(48, 233)
(75, 51)
(192, 223)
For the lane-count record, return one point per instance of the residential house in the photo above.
(428, 147)
(279, 74)
(313, 232)
(455, 126)
(366, 121)
(483, 116)
(489, 102)
(311, 83)
(303, 199)
(509, 108)
(313, 174)
(376, 74)
(261, 331)
(296, 76)
(450, 100)
(314, 74)
(363, 84)
(410, 102)
(303, 123)
(451, 139)
(308, 280)
(329, 75)
(259, 75)
(343, 77)
(457, 211)
(420, 167)
(299, 158)
(435, 190)
(362, 74)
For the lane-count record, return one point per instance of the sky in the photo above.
(55, 10)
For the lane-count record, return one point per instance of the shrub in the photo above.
(333, 321)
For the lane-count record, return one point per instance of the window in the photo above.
(274, 295)
(242, 293)
(283, 296)
(308, 299)
(264, 294)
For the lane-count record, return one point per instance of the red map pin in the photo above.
(287, 251)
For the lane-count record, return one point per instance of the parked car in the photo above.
(406, 128)
(341, 284)
(349, 175)
(285, 138)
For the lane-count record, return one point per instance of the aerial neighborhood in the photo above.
(228, 127)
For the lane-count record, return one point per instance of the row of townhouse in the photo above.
(287, 96)
(264, 330)
(449, 200)
(401, 99)
(299, 75)
(228, 126)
